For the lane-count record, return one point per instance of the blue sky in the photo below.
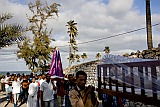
(96, 19)
(139, 4)
(155, 6)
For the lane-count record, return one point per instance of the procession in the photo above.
(82, 53)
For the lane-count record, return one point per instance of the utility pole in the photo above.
(148, 25)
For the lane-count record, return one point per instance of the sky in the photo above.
(96, 19)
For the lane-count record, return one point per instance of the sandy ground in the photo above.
(3, 103)
(9, 105)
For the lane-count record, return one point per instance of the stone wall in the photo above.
(89, 67)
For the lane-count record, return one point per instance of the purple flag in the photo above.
(56, 65)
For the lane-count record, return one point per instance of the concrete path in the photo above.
(3, 101)
(10, 104)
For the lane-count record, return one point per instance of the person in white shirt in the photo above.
(7, 85)
(3, 84)
(16, 90)
(41, 80)
(47, 92)
(33, 91)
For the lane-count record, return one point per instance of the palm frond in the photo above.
(10, 33)
(5, 16)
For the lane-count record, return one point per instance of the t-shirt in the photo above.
(6, 81)
(76, 95)
(48, 92)
(40, 82)
(16, 87)
(2, 80)
(33, 89)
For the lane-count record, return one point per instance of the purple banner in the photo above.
(56, 65)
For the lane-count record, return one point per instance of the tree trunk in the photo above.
(69, 64)
(148, 24)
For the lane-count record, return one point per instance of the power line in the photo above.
(7, 53)
(121, 34)
(63, 50)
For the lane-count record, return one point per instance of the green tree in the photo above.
(98, 56)
(73, 32)
(107, 50)
(9, 33)
(84, 56)
(148, 24)
(37, 54)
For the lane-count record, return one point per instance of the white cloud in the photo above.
(120, 7)
(95, 19)
(17, 10)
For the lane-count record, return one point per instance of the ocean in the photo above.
(12, 72)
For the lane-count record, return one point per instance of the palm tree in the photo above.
(71, 58)
(9, 33)
(77, 58)
(84, 56)
(148, 24)
(107, 50)
(73, 32)
(98, 56)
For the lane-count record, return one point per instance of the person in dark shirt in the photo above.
(69, 84)
(25, 86)
(30, 78)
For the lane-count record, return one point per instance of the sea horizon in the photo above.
(20, 72)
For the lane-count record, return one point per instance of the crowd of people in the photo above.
(45, 90)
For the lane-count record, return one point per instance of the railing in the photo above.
(146, 70)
